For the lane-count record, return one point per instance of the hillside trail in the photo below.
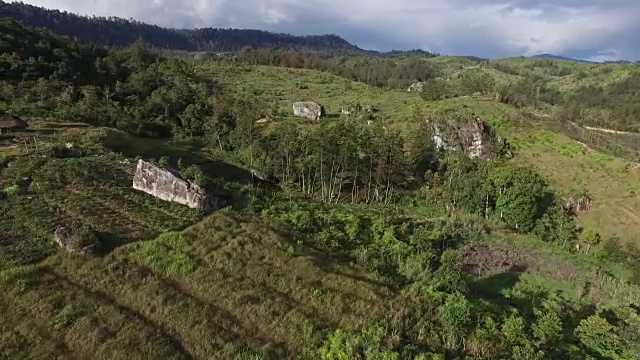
(604, 130)
(610, 131)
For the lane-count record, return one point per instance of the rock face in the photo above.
(473, 137)
(64, 236)
(308, 109)
(169, 186)
(579, 204)
(417, 86)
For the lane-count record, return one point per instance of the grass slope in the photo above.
(233, 284)
(566, 164)
(220, 287)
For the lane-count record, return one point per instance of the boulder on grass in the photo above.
(168, 185)
(309, 110)
(78, 240)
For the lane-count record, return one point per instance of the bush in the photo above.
(65, 317)
(11, 191)
(61, 151)
(164, 161)
(195, 174)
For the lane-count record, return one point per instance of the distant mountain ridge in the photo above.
(560, 58)
(119, 32)
(113, 31)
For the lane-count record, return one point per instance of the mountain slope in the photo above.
(121, 32)
(560, 58)
(397, 252)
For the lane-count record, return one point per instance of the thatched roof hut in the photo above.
(10, 122)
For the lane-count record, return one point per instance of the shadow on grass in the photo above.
(327, 262)
(104, 298)
(490, 288)
(230, 328)
(109, 242)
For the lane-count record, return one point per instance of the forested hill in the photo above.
(121, 32)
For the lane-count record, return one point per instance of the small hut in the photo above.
(12, 123)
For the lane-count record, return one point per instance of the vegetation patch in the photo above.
(168, 254)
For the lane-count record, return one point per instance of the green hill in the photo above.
(114, 31)
(560, 58)
(352, 237)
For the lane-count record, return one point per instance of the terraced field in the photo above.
(215, 290)
(92, 190)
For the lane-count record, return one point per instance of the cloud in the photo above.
(597, 29)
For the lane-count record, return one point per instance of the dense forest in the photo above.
(121, 32)
(113, 31)
(375, 71)
(132, 89)
(377, 206)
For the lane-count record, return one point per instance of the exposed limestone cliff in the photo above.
(471, 136)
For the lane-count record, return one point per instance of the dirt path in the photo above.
(604, 130)
(610, 131)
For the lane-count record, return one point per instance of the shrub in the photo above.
(164, 161)
(12, 191)
(65, 317)
(195, 174)
(61, 151)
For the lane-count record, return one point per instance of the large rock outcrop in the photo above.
(308, 109)
(471, 136)
(168, 185)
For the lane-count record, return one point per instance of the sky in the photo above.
(596, 30)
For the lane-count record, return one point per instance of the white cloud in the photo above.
(490, 28)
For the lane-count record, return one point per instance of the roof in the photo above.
(9, 121)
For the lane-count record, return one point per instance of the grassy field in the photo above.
(571, 166)
(91, 186)
(238, 286)
(95, 191)
(221, 287)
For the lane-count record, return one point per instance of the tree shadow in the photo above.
(104, 298)
(491, 288)
(109, 241)
(231, 329)
(327, 262)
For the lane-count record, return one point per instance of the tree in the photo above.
(557, 225)
(590, 237)
(434, 89)
(450, 277)
(455, 315)
(518, 193)
(599, 336)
